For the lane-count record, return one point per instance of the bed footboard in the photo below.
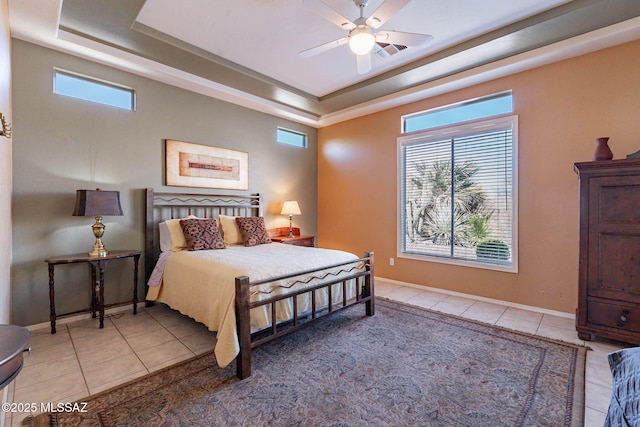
(364, 293)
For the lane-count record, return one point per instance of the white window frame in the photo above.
(451, 131)
(457, 105)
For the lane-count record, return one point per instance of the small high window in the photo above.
(94, 90)
(473, 109)
(291, 137)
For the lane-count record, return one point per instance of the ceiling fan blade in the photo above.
(385, 12)
(327, 12)
(400, 38)
(364, 63)
(322, 48)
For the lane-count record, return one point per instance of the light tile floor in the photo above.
(81, 360)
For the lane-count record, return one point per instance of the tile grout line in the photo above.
(468, 308)
(75, 351)
(50, 379)
(170, 333)
(115, 325)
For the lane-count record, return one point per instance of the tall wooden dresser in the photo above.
(609, 269)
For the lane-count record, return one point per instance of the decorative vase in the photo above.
(603, 152)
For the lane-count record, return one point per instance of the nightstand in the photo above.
(281, 235)
(296, 240)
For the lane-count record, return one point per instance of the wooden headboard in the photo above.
(163, 206)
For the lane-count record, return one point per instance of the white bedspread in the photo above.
(201, 284)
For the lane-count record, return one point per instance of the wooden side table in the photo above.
(97, 281)
(281, 235)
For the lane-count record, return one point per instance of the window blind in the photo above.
(457, 193)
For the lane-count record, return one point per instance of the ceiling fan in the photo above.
(363, 32)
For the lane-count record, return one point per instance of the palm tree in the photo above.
(436, 205)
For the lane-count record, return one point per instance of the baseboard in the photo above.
(82, 316)
(470, 296)
(126, 307)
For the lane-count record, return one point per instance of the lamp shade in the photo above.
(361, 40)
(290, 207)
(97, 203)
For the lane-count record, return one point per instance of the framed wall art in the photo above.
(195, 165)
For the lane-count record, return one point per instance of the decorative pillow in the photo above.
(230, 230)
(171, 236)
(624, 407)
(201, 234)
(253, 230)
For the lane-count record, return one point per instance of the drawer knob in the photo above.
(623, 318)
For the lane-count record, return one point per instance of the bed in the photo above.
(249, 295)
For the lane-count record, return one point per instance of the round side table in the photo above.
(14, 340)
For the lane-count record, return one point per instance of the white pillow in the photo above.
(165, 237)
(171, 235)
(230, 230)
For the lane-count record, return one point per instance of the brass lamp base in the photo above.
(98, 249)
(291, 226)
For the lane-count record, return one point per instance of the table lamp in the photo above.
(97, 203)
(290, 207)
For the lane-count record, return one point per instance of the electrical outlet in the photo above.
(392, 261)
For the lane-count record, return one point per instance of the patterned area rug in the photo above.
(404, 366)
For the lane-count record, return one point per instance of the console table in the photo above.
(98, 265)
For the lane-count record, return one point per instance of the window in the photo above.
(488, 106)
(291, 137)
(458, 201)
(90, 89)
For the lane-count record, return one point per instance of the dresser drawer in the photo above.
(301, 243)
(296, 240)
(614, 315)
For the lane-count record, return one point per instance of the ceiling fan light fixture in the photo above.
(361, 40)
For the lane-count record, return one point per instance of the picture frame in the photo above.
(196, 165)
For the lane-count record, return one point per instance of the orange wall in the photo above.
(561, 107)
